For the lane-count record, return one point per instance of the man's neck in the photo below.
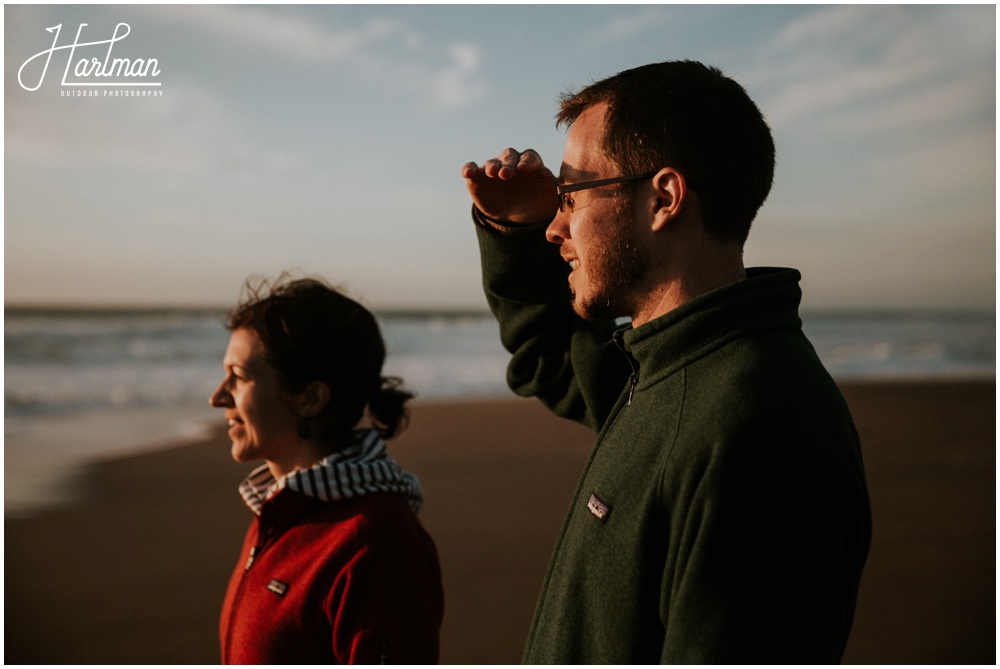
(675, 291)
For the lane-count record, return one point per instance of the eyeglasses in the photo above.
(563, 189)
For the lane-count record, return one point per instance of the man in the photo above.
(723, 516)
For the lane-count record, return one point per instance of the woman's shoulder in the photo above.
(378, 517)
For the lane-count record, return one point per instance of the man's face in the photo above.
(596, 228)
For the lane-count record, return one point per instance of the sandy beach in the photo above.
(134, 573)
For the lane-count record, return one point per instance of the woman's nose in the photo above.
(221, 397)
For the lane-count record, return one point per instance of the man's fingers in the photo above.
(469, 170)
(509, 159)
(506, 165)
(491, 167)
(529, 159)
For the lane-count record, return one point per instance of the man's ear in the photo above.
(312, 400)
(670, 191)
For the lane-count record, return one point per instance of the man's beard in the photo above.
(615, 270)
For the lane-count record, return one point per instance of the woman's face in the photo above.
(261, 423)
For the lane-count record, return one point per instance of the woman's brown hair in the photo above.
(313, 332)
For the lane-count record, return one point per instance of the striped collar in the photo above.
(361, 468)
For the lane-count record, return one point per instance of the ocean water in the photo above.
(82, 385)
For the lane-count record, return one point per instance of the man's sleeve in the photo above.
(571, 365)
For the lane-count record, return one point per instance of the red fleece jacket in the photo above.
(355, 581)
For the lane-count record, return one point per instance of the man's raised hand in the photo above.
(515, 187)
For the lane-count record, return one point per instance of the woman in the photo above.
(335, 567)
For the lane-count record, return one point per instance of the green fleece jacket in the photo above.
(723, 515)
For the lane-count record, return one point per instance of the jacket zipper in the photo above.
(253, 555)
(254, 552)
(633, 378)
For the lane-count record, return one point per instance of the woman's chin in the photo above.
(241, 454)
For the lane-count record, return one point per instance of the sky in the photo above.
(328, 140)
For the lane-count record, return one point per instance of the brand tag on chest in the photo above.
(278, 587)
(598, 509)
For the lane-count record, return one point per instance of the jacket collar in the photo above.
(767, 299)
(361, 468)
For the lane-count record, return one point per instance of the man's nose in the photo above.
(558, 230)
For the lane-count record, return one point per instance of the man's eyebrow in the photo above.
(573, 175)
(567, 176)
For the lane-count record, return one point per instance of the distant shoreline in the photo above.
(112, 309)
(60, 308)
(83, 384)
(175, 428)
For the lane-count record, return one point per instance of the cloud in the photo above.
(837, 91)
(828, 25)
(445, 75)
(866, 69)
(625, 27)
(937, 103)
(194, 127)
(252, 29)
(186, 131)
(457, 84)
(954, 166)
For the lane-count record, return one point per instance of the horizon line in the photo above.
(454, 310)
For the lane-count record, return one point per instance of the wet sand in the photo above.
(134, 573)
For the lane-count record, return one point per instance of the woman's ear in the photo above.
(670, 191)
(312, 399)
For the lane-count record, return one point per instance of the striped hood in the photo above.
(361, 468)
